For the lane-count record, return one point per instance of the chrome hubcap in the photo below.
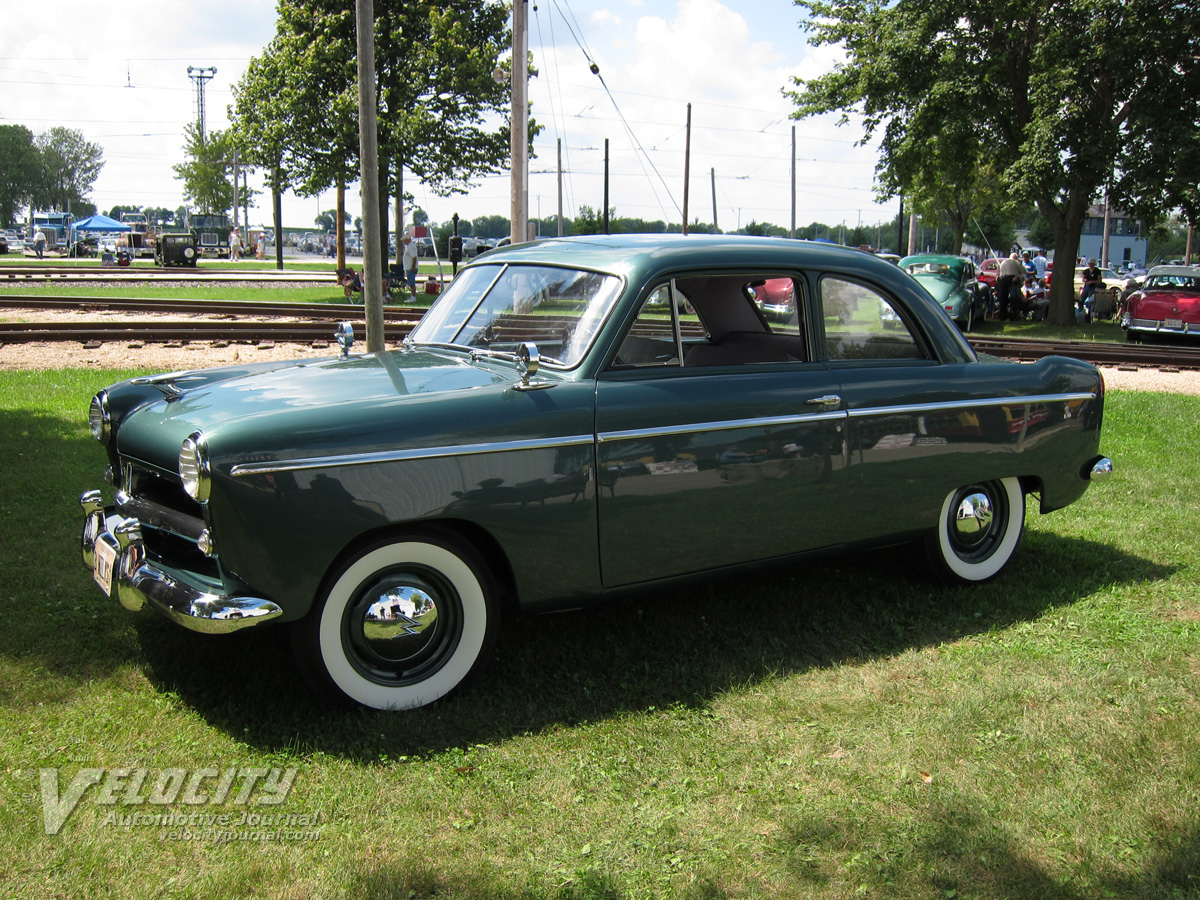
(399, 624)
(973, 519)
(402, 627)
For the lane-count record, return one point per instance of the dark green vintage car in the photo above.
(572, 419)
(953, 283)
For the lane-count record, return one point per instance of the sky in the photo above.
(121, 78)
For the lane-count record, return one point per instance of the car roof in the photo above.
(647, 253)
(943, 259)
(1182, 271)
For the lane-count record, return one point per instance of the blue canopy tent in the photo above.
(100, 222)
(96, 223)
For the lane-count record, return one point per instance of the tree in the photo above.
(70, 165)
(327, 221)
(263, 118)
(434, 63)
(1050, 88)
(205, 183)
(1160, 166)
(20, 171)
(492, 226)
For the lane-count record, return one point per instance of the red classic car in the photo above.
(1167, 303)
(988, 271)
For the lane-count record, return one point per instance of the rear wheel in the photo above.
(978, 531)
(402, 624)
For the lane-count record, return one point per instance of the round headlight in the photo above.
(99, 419)
(193, 467)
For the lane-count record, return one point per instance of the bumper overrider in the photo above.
(115, 552)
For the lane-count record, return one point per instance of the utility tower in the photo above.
(200, 75)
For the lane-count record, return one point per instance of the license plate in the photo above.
(1172, 323)
(102, 567)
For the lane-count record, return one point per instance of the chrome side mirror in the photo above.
(345, 337)
(528, 361)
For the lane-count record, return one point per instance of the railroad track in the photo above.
(1149, 355)
(258, 322)
(190, 331)
(323, 311)
(90, 271)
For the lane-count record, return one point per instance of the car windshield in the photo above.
(1172, 282)
(499, 307)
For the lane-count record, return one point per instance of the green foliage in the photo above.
(70, 165)
(19, 171)
(1043, 96)
(492, 226)
(327, 221)
(54, 170)
(205, 180)
(433, 70)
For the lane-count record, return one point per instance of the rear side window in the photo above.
(862, 324)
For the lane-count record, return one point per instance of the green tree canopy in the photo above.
(70, 165)
(205, 182)
(1048, 89)
(434, 63)
(20, 171)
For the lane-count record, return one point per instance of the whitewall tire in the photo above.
(402, 624)
(979, 529)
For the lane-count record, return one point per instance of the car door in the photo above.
(711, 455)
(917, 428)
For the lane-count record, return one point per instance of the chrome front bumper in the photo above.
(113, 549)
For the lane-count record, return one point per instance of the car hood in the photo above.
(344, 404)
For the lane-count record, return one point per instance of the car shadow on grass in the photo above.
(678, 646)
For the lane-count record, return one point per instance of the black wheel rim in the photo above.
(402, 626)
(977, 520)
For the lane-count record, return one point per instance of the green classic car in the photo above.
(953, 283)
(572, 419)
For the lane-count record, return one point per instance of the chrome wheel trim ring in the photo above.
(438, 680)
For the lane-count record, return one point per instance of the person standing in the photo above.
(1009, 277)
(408, 261)
(1040, 264)
(39, 242)
(235, 244)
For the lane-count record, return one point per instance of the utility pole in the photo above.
(713, 175)
(560, 209)
(687, 166)
(792, 232)
(519, 132)
(235, 188)
(368, 154)
(604, 218)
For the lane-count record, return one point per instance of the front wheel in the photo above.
(402, 624)
(978, 531)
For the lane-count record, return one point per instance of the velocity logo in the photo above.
(162, 787)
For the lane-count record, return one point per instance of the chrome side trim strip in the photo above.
(732, 424)
(966, 404)
(386, 456)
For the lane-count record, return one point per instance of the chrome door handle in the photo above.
(827, 400)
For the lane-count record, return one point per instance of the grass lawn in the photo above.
(841, 729)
